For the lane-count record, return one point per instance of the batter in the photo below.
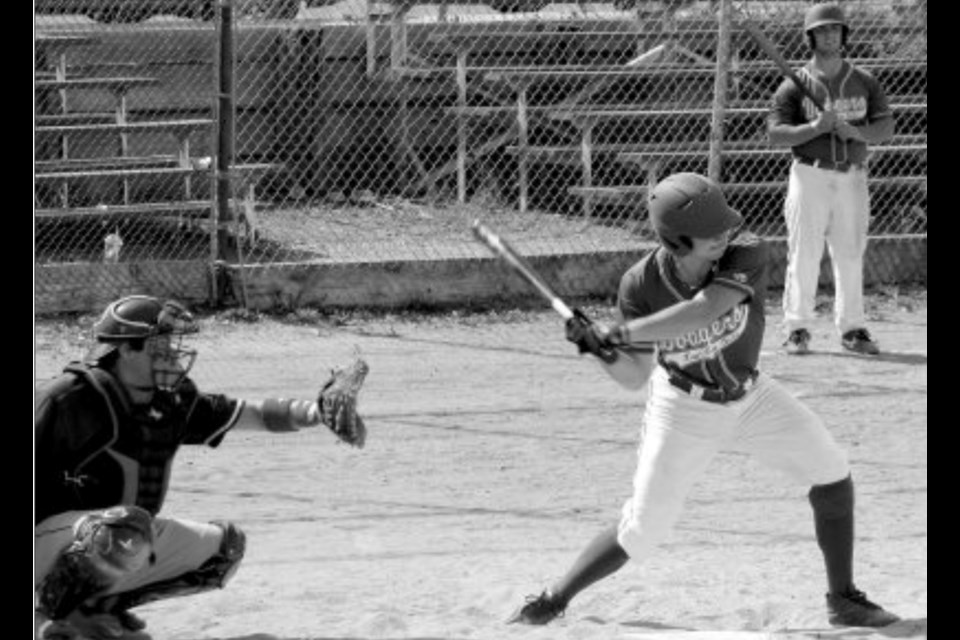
(699, 299)
(827, 196)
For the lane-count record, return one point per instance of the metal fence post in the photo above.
(225, 133)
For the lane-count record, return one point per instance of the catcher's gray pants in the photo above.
(180, 546)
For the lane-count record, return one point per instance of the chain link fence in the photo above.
(366, 131)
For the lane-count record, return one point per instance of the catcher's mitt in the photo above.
(338, 403)
(107, 545)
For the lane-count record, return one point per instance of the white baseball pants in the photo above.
(832, 206)
(680, 435)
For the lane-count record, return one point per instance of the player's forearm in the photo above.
(673, 322)
(279, 414)
(877, 132)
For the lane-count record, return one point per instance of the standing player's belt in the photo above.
(829, 165)
(718, 395)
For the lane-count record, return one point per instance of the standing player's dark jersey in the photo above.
(854, 94)
(725, 354)
(95, 449)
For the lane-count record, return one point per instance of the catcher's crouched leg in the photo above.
(107, 546)
(212, 574)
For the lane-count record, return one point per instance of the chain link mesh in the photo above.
(370, 130)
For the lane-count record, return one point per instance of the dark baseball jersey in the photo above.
(853, 93)
(725, 353)
(94, 449)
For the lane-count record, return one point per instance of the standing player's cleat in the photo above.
(538, 610)
(859, 341)
(853, 609)
(798, 342)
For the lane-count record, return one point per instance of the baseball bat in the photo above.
(502, 249)
(769, 48)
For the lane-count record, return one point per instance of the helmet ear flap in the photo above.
(679, 246)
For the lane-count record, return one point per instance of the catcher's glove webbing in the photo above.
(106, 545)
(337, 403)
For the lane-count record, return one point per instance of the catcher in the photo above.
(106, 432)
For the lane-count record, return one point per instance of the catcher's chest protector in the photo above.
(131, 464)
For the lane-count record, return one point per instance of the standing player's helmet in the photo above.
(822, 14)
(688, 205)
(137, 319)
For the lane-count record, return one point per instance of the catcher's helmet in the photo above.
(138, 318)
(689, 205)
(823, 14)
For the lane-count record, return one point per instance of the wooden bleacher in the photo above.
(56, 125)
(666, 64)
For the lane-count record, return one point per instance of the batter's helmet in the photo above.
(823, 14)
(137, 318)
(689, 205)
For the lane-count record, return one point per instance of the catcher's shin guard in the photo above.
(106, 546)
(212, 574)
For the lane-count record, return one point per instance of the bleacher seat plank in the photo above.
(190, 208)
(143, 126)
(52, 176)
(69, 119)
(112, 84)
(105, 163)
(674, 69)
(633, 191)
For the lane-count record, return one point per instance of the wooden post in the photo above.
(371, 40)
(714, 167)
(461, 125)
(522, 143)
(586, 158)
(121, 98)
(398, 38)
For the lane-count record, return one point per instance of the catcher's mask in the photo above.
(148, 323)
(823, 14)
(688, 205)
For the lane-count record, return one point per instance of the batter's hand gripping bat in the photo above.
(502, 249)
(769, 48)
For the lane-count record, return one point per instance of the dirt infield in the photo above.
(495, 454)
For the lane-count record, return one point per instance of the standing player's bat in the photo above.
(502, 249)
(774, 54)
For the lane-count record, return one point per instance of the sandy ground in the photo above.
(495, 453)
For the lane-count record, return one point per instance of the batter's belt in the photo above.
(829, 165)
(718, 395)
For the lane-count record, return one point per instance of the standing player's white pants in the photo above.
(680, 436)
(180, 546)
(832, 206)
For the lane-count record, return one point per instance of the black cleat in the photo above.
(853, 609)
(538, 610)
(860, 341)
(798, 342)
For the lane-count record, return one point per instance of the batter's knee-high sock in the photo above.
(602, 557)
(833, 519)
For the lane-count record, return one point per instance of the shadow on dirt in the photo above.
(916, 359)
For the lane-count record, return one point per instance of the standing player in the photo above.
(106, 432)
(699, 298)
(827, 197)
